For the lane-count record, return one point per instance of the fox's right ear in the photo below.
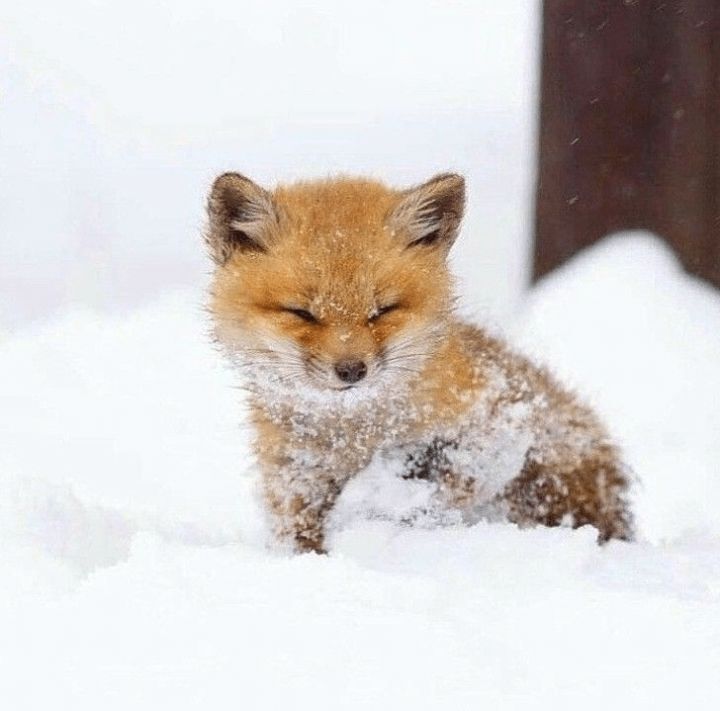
(242, 216)
(429, 215)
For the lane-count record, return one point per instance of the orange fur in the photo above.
(343, 270)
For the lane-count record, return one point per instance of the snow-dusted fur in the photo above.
(315, 275)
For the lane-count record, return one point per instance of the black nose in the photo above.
(350, 371)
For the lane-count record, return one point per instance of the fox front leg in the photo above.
(299, 501)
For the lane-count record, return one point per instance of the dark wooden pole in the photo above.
(630, 127)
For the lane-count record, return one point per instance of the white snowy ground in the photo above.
(132, 560)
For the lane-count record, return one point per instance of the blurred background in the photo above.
(571, 119)
(115, 117)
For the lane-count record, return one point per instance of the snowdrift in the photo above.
(132, 546)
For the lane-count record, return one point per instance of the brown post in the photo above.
(630, 127)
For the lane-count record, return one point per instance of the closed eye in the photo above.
(381, 310)
(304, 314)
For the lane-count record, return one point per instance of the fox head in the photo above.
(333, 284)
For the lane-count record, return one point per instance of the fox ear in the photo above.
(430, 214)
(241, 217)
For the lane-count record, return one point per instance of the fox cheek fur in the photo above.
(335, 299)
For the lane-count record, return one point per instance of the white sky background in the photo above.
(114, 118)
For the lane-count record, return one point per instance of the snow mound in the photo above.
(132, 542)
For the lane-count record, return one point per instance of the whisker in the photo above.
(402, 356)
(414, 371)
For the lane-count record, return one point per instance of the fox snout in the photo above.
(341, 372)
(351, 371)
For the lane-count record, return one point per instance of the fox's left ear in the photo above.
(242, 217)
(430, 214)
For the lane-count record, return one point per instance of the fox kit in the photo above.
(335, 298)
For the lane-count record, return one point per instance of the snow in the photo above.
(133, 547)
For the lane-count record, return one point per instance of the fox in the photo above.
(335, 300)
